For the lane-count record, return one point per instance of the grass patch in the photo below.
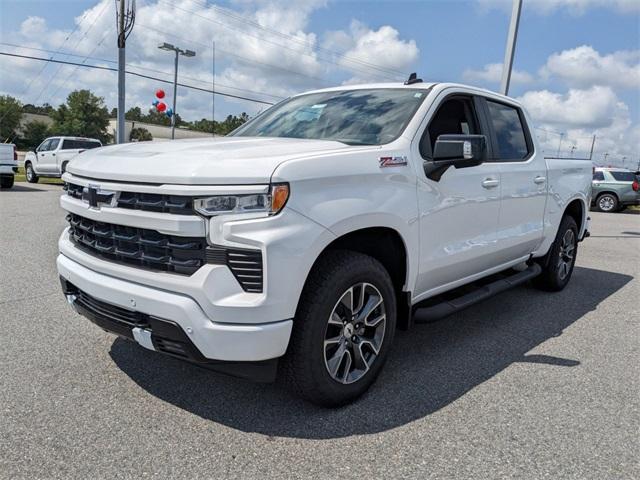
(21, 177)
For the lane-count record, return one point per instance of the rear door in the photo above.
(459, 213)
(523, 173)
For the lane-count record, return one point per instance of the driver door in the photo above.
(459, 213)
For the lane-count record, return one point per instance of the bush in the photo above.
(140, 134)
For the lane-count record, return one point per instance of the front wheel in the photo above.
(343, 329)
(558, 268)
(30, 173)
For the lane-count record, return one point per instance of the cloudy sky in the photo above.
(577, 65)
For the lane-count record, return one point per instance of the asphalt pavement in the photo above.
(526, 385)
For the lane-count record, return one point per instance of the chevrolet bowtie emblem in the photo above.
(97, 197)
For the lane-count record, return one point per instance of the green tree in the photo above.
(134, 114)
(33, 133)
(159, 118)
(231, 123)
(10, 115)
(140, 134)
(84, 114)
(44, 109)
(205, 125)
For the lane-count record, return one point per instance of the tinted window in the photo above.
(54, 144)
(354, 117)
(512, 143)
(44, 146)
(68, 144)
(624, 176)
(455, 116)
(598, 176)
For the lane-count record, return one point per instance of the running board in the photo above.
(451, 305)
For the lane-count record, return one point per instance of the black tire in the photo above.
(305, 367)
(30, 173)
(607, 203)
(556, 268)
(63, 168)
(6, 181)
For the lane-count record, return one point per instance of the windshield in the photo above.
(354, 117)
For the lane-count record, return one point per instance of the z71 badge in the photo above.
(392, 161)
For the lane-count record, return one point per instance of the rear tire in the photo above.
(558, 265)
(607, 203)
(6, 181)
(30, 173)
(342, 331)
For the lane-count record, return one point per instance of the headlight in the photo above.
(269, 203)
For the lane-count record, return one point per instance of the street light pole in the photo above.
(175, 90)
(510, 50)
(187, 53)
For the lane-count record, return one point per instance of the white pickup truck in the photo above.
(8, 164)
(52, 156)
(300, 243)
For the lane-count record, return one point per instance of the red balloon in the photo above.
(160, 93)
(161, 107)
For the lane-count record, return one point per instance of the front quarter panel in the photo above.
(350, 191)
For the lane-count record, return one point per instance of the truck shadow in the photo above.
(430, 367)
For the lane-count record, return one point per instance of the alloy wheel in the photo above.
(567, 254)
(354, 333)
(606, 203)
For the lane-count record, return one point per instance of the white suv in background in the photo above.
(51, 157)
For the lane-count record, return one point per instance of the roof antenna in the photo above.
(413, 78)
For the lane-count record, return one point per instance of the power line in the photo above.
(111, 69)
(262, 39)
(246, 60)
(293, 38)
(106, 4)
(132, 65)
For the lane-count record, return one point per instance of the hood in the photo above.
(201, 161)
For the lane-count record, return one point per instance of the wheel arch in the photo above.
(386, 245)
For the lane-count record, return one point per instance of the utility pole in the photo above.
(125, 16)
(510, 50)
(187, 53)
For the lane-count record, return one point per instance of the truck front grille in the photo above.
(138, 246)
(169, 253)
(151, 202)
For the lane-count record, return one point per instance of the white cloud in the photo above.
(578, 115)
(574, 7)
(363, 47)
(583, 66)
(492, 73)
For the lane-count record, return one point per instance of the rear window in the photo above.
(598, 176)
(512, 142)
(624, 176)
(68, 144)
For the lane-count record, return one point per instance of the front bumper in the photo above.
(211, 341)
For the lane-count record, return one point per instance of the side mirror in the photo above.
(459, 151)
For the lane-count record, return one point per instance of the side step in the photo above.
(451, 304)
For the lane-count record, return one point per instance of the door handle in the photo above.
(539, 180)
(490, 182)
(53, 154)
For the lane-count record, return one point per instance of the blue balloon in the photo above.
(169, 112)
(155, 103)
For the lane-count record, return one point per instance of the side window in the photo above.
(598, 176)
(67, 145)
(54, 143)
(454, 116)
(44, 146)
(510, 136)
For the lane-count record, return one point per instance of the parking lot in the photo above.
(524, 385)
